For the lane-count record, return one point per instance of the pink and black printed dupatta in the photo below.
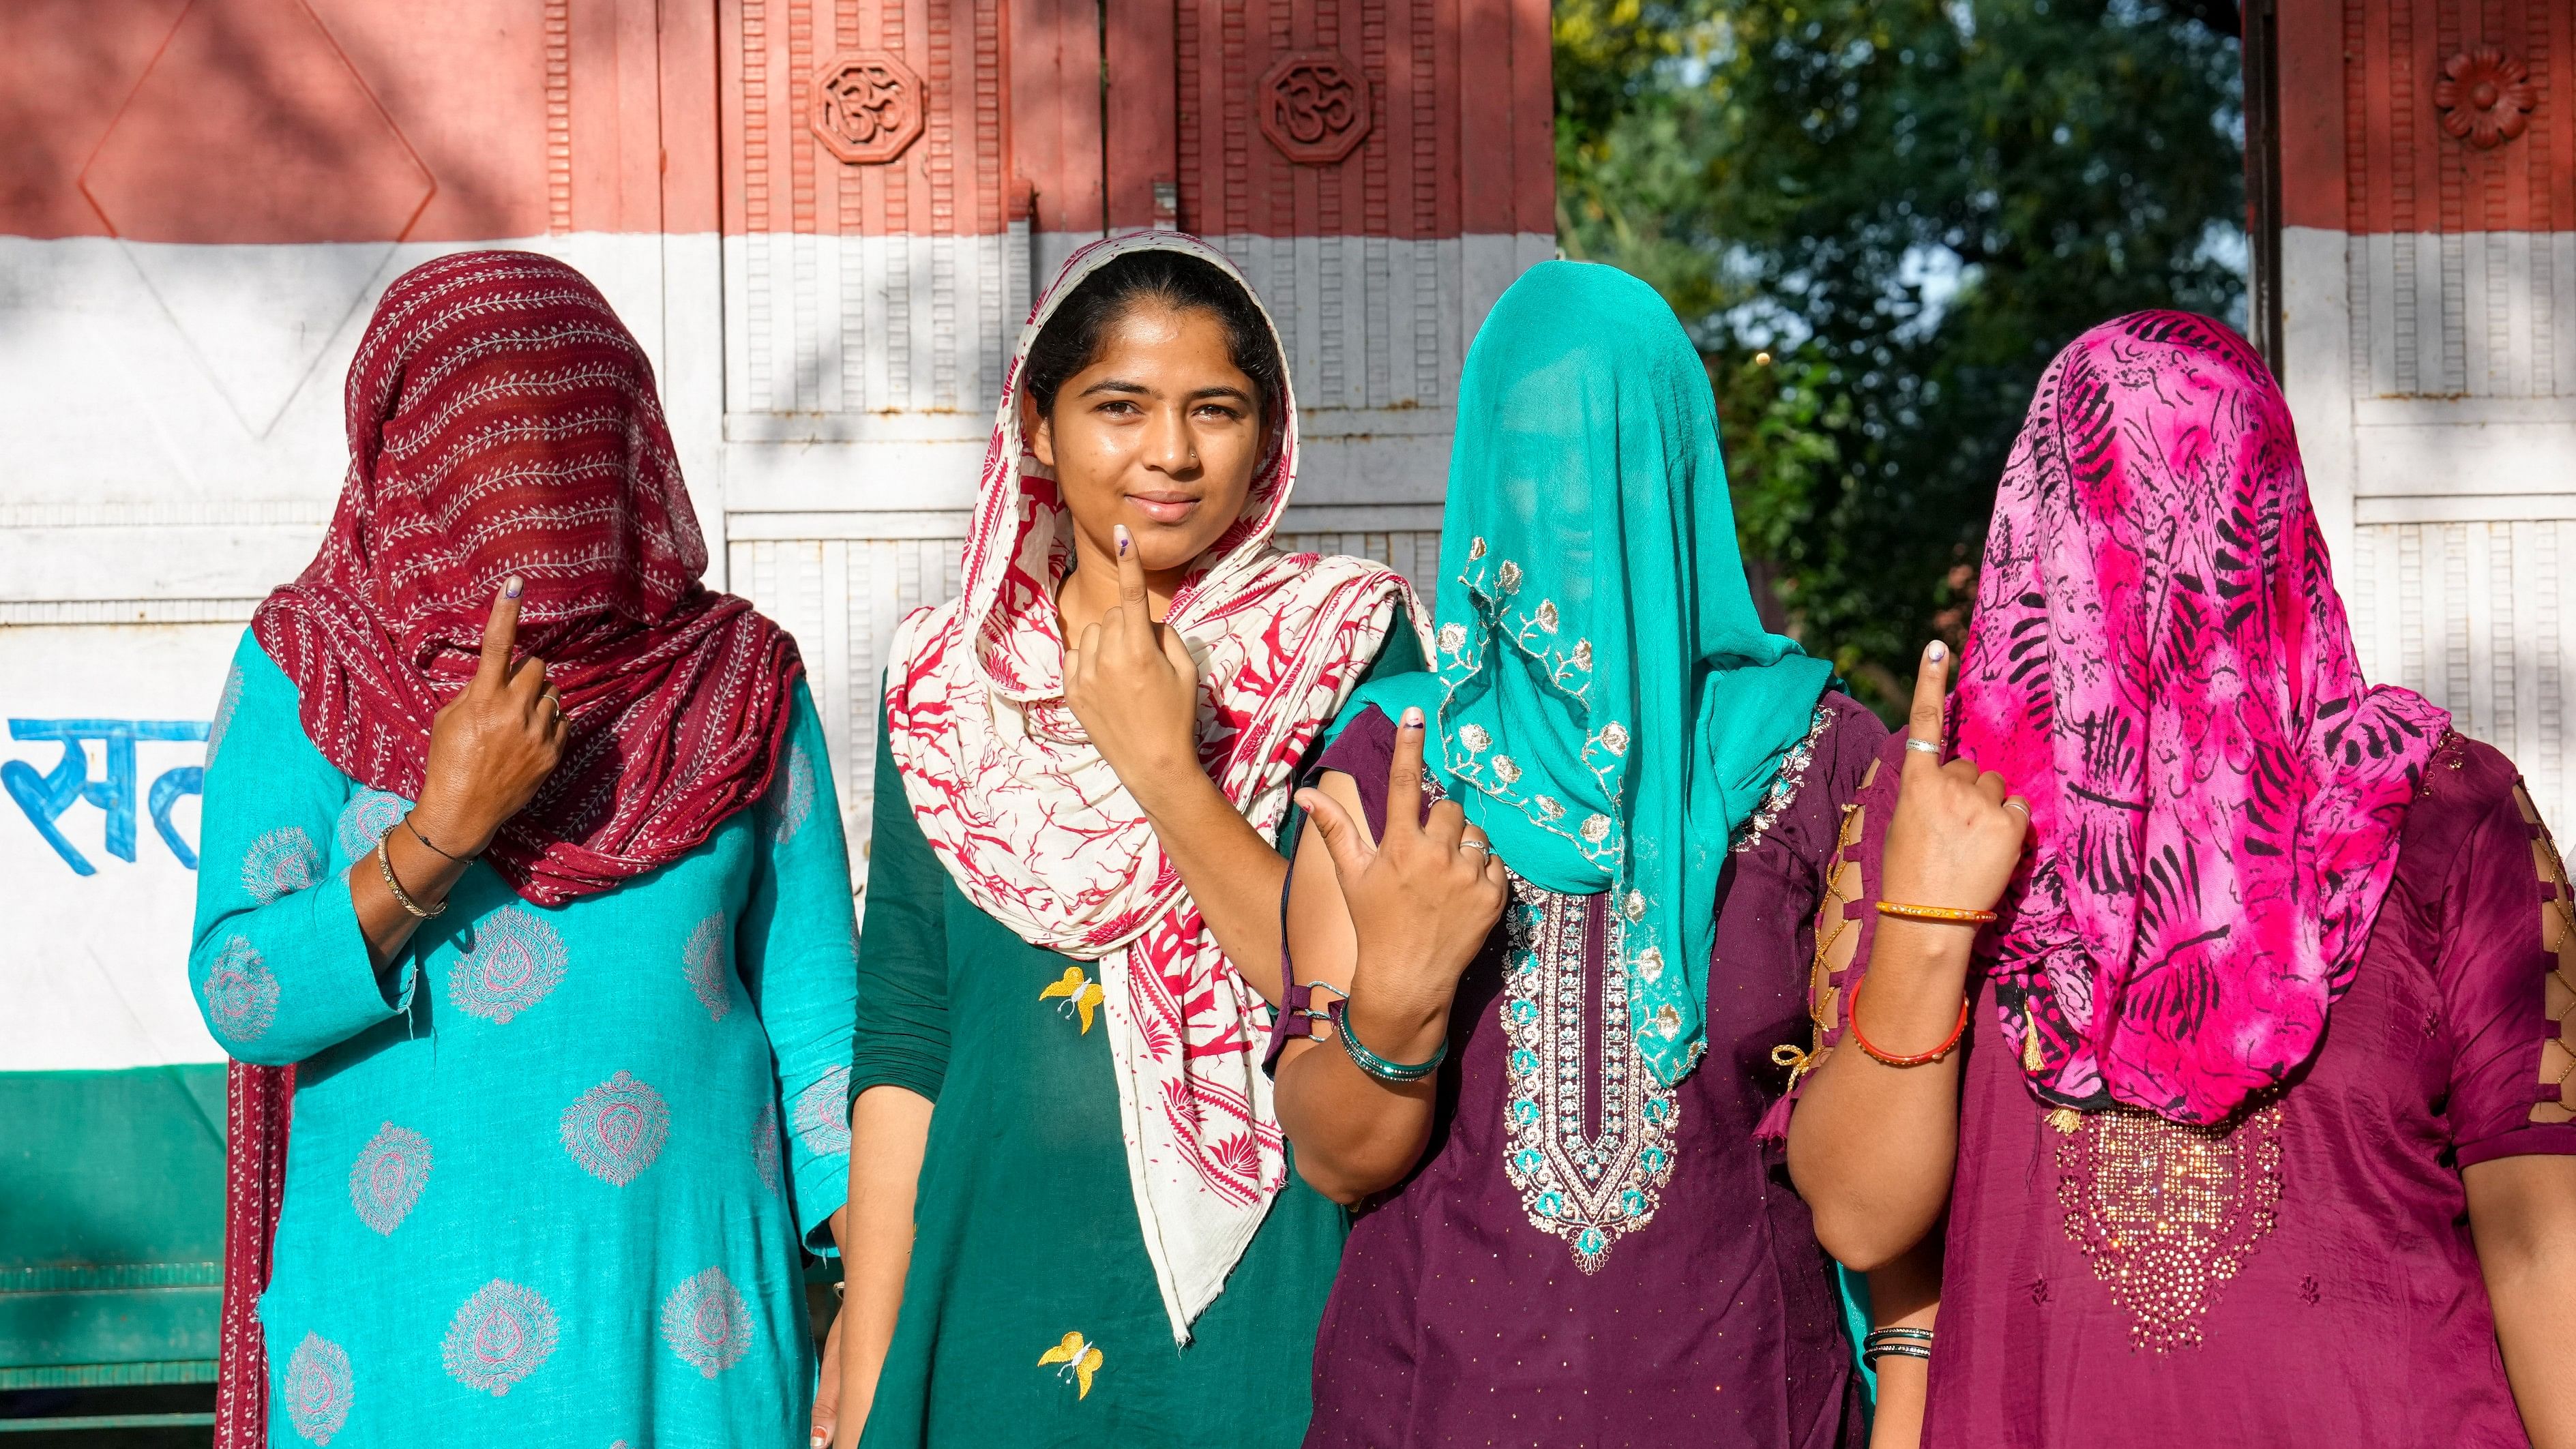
(502, 420)
(1035, 828)
(2161, 664)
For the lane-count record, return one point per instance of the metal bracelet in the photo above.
(1378, 1066)
(1896, 1343)
(385, 868)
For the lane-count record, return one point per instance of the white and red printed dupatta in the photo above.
(1038, 832)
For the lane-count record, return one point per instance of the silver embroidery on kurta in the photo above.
(1593, 1188)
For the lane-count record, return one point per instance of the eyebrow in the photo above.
(1138, 389)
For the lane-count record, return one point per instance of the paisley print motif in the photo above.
(616, 1129)
(765, 1146)
(319, 1389)
(1589, 1190)
(706, 1323)
(823, 1114)
(2162, 667)
(511, 961)
(241, 993)
(225, 706)
(387, 1180)
(366, 818)
(280, 863)
(502, 1335)
(707, 963)
(791, 796)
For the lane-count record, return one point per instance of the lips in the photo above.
(1164, 507)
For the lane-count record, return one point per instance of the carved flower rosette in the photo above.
(2485, 97)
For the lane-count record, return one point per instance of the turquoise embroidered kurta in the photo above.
(548, 1176)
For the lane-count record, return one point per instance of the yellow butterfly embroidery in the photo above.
(1079, 1357)
(1079, 992)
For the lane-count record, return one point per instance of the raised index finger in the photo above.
(1131, 574)
(1931, 697)
(500, 632)
(1404, 778)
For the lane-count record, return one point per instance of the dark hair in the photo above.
(1075, 336)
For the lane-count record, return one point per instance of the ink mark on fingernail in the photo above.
(1938, 652)
(512, 587)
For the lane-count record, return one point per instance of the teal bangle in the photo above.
(1378, 1066)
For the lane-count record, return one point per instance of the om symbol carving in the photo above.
(867, 107)
(1314, 107)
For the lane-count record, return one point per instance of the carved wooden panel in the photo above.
(2459, 129)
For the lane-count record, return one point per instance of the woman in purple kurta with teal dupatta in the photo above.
(1568, 1234)
(2264, 1085)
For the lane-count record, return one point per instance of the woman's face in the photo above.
(1161, 433)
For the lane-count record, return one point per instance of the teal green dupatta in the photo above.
(1609, 707)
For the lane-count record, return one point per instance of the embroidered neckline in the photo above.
(1590, 1191)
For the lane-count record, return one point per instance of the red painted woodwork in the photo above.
(358, 120)
(353, 120)
(2364, 145)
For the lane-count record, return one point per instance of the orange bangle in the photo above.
(1920, 1058)
(1947, 915)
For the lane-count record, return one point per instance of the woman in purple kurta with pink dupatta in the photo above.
(2261, 1136)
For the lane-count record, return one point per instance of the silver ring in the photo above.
(1928, 747)
(1478, 846)
(2018, 805)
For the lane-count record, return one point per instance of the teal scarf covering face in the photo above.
(1607, 705)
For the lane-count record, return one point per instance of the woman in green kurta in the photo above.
(570, 1034)
(1072, 935)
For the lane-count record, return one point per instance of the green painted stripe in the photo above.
(106, 1276)
(109, 1375)
(111, 1226)
(106, 1421)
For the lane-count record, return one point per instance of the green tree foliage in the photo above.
(1881, 218)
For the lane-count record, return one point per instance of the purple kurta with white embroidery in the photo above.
(547, 1179)
(1584, 1256)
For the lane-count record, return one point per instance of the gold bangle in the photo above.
(385, 868)
(1946, 915)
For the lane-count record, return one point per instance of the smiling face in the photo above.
(1161, 432)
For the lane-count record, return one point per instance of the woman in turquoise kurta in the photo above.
(556, 1157)
(1072, 1221)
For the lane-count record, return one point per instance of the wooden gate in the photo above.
(901, 173)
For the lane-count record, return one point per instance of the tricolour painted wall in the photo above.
(824, 220)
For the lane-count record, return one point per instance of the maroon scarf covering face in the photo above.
(502, 420)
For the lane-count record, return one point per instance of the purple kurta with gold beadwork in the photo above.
(2304, 1274)
(1483, 1303)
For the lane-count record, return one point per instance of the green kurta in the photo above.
(1027, 1229)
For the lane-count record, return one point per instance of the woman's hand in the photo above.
(1132, 684)
(493, 745)
(1955, 838)
(1422, 900)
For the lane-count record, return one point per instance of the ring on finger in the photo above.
(1927, 747)
(1478, 846)
(2021, 805)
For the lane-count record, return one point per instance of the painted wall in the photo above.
(2429, 307)
(824, 222)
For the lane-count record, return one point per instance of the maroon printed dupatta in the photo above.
(503, 421)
